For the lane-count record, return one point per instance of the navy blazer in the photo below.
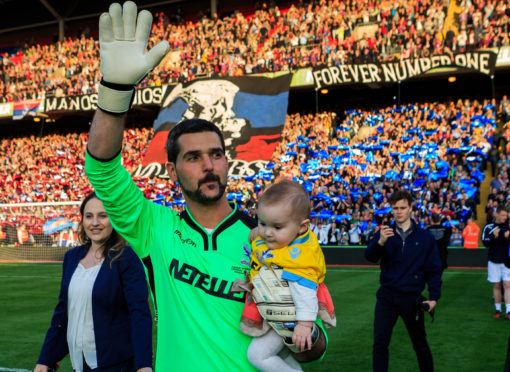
(120, 311)
(407, 266)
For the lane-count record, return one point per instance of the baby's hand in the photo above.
(253, 234)
(303, 335)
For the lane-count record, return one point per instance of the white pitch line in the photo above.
(13, 370)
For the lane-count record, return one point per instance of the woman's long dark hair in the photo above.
(113, 247)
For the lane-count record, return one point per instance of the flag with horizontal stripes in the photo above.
(249, 110)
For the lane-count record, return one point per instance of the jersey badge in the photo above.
(264, 255)
(245, 259)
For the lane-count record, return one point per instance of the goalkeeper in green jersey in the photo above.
(285, 241)
(192, 257)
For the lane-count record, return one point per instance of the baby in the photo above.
(284, 239)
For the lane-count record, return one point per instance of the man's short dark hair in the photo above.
(401, 195)
(501, 208)
(185, 127)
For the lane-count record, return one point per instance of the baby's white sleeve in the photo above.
(305, 300)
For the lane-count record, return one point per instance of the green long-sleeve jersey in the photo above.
(191, 272)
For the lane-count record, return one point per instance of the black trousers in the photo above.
(390, 305)
(126, 366)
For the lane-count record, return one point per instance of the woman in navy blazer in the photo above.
(122, 325)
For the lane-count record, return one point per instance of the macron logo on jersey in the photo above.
(294, 252)
(185, 241)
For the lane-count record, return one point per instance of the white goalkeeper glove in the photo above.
(124, 63)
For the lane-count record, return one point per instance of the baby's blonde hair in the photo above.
(290, 192)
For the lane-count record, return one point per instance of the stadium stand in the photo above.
(350, 160)
(268, 40)
(434, 149)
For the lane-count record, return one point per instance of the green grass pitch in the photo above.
(464, 337)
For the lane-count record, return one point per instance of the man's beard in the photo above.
(198, 196)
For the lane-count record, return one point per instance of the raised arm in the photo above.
(123, 38)
(105, 137)
(375, 248)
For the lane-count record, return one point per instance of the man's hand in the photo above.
(385, 233)
(302, 335)
(240, 285)
(124, 63)
(507, 234)
(144, 369)
(496, 232)
(432, 305)
(40, 368)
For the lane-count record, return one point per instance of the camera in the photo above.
(425, 306)
(422, 306)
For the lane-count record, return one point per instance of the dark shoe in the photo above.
(497, 314)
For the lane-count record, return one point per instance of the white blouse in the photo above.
(80, 326)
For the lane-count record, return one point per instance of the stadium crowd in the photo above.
(436, 150)
(306, 34)
(499, 158)
(49, 169)
(349, 165)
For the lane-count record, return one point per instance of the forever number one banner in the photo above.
(393, 72)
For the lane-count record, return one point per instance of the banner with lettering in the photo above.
(249, 110)
(88, 102)
(393, 72)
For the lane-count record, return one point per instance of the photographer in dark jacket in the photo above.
(495, 236)
(409, 260)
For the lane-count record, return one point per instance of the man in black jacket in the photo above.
(495, 236)
(442, 235)
(409, 260)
